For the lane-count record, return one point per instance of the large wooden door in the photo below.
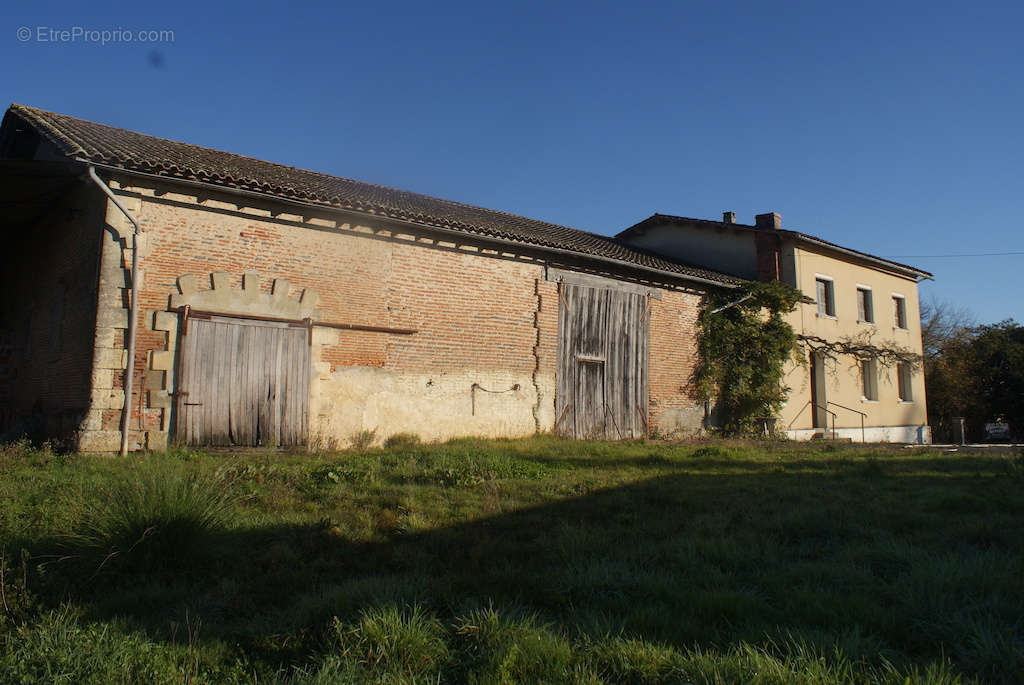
(602, 363)
(242, 382)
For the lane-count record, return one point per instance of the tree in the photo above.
(943, 323)
(950, 385)
(974, 372)
(998, 356)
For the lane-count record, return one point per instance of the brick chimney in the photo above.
(728, 217)
(768, 243)
(769, 220)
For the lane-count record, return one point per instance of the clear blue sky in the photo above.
(890, 127)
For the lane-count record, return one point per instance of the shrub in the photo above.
(155, 517)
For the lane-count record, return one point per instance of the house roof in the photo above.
(91, 142)
(656, 219)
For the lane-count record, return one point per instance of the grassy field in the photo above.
(534, 561)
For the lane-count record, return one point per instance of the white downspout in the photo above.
(133, 310)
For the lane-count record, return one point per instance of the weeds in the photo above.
(363, 440)
(400, 441)
(17, 604)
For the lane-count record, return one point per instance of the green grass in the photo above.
(505, 561)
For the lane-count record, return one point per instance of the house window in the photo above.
(865, 306)
(869, 379)
(903, 375)
(826, 297)
(899, 311)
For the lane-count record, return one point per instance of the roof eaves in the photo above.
(796, 235)
(718, 280)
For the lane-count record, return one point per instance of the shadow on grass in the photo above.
(880, 556)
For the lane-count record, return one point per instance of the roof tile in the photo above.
(102, 144)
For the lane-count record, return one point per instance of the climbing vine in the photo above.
(744, 342)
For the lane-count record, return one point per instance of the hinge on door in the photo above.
(184, 393)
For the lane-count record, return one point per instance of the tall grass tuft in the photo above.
(156, 516)
(395, 644)
(517, 648)
(631, 661)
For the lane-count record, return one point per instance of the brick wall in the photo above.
(673, 359)
(484, 322)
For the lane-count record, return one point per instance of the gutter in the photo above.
(448, 231)
(133, 310)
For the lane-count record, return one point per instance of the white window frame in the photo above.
(899, 306)
(830, 296)
(870, 302)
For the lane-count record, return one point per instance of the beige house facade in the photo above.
(849, 296)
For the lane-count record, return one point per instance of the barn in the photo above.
(161, 293)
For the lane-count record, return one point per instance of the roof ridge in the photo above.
(133, 151)
(35, 112)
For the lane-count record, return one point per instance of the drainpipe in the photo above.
(133, 310)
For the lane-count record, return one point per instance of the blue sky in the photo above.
(894, 128)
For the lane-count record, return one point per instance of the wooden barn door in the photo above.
(602, 363)
(242, 382)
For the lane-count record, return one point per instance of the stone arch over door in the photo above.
(220, 297)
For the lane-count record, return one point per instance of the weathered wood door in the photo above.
(590, 413)
(602, 363)
(242, 382)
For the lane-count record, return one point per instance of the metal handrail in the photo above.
(825, 409)
(863, 434)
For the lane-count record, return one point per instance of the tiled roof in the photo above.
(656, 219)
(131, 151)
